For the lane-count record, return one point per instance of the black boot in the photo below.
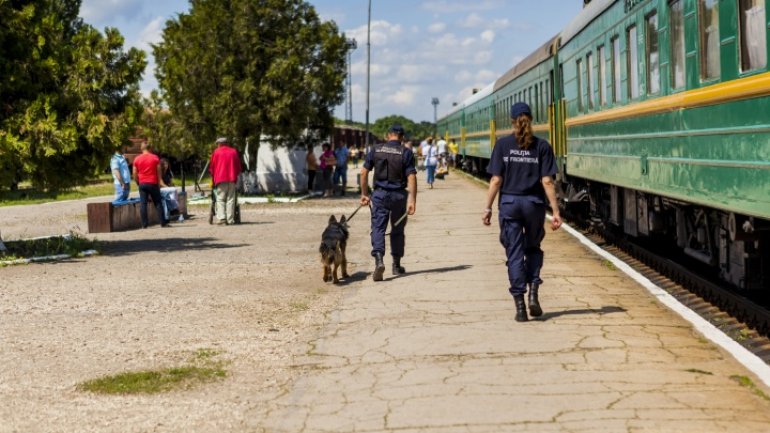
(534, 304)
(521, 308)
(379, 267)
(397, 268)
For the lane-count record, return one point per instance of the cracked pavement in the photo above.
(437, 350)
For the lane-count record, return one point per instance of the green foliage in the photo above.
(72, 245)
(102, 186)
(246, 69)
(68, 94)
(168, 135)
(152, 381)
(415, 131)
(202, 367)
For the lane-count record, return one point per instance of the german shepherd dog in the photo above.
(333, 242)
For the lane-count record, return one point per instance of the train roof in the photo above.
(529, 62)
(584, 18)
(481, 94)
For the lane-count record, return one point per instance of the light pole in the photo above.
(368, 64)
(434, 101)
(349, 81)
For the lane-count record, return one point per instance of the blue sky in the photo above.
(420, 48)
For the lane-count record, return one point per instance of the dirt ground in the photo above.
(252, 292)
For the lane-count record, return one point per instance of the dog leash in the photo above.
(355, 212)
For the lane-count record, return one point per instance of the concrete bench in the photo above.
(106, 217)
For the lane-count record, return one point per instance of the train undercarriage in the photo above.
(735, 248)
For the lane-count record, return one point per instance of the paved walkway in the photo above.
(438, 350)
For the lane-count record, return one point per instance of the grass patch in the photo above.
(73, 245)
(746, 382)
(299, 306)
(101, 186)
(153, 381)
(698, 371)
(201, 368)
(609, 265)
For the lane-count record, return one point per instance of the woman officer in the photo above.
(522, 168)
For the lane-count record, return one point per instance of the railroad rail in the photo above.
(745, 321)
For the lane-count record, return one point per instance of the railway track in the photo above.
(743, 320)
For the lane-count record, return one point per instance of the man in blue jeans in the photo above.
(121, 176)
(341, 153)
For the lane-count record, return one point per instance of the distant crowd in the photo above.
(330, 168)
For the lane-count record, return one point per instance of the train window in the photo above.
(753, 34)
(601, 57)
(632, 63)
(561, 80)
(590, 79)
(677, 44)
(708, 11)
(536, 114)
(616, 83)
(543, 104)
(579, 85)
(653, 54)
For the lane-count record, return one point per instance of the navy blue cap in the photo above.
(520, 108)
(396, 129)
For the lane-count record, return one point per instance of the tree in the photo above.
(248, 69)
(163, 130)
(415, 131)
(69, 93)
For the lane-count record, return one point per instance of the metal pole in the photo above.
(368, 64)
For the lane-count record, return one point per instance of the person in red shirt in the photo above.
(147, 174)
(225, 167)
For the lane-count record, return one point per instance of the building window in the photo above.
(709, 39)
(753, 34)
(677, 45)
(601, 57)
(616, 82)
(632, 63)
(580, 85)
(590, 79)
(653, 55)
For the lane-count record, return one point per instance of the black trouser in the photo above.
(153, 190)
(310, 180)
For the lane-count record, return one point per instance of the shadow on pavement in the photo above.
(607, 309)
(128, 247)
(354, 278)
(438, 270)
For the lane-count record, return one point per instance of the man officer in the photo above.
(395, 193)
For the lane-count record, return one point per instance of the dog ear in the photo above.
(332, 219)
(342, 219)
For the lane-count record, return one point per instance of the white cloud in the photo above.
(501, 23)
(376, 69)
(437, 27)
(449, 6)
(404, 96)
(488, 36)
(479, 76)
(482, 57)
(152, 33)
(382, 33)
(96, 11)
(473, 20)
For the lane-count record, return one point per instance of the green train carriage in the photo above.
(660, 118)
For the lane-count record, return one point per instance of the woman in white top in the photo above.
(431, 160)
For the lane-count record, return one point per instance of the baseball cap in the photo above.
(520, 108)
(396, 129)
(222, 140)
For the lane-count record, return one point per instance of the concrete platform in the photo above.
(438, 350)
